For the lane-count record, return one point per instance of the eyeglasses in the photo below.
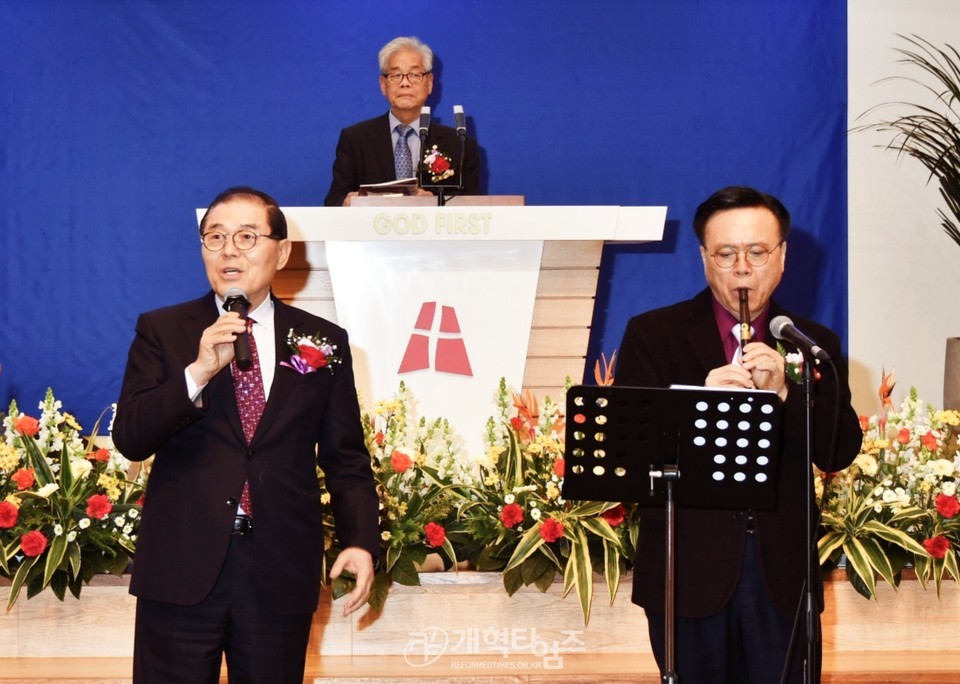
(244, 240)
(725, 257)
(414, 77)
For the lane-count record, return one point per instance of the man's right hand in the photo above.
(216, 347)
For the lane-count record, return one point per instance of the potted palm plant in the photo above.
(929, 132)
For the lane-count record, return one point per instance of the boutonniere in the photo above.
(437, 164)
(310, 352)
(793, 365)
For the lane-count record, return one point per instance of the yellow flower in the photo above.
(8, 457)
(867, 464)
(14, 500)
(385, 535)
(947, 417)
(71, 421)
(111, 485)
(553, 491)
(325, 498)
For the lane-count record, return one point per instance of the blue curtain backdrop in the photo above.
(118, 118)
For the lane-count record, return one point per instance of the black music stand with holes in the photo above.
(723, 443)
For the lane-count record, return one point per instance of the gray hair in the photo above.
(406, 43)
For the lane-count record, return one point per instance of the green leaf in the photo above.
(19, 578)
(601, 528)
(55, 554)
(894, 536)
(611, 564)
(859, 559)
(528, 544)
(828, 543)
(580, 559)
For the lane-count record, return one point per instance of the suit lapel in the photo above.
(383, 147)
(284, 318)
(703, 335)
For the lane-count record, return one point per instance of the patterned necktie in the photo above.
(248, 386)
(402, 158)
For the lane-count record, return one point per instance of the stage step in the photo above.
(896, 667)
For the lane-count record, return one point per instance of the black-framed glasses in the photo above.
(244, 240)
(756, 256)
(414, 77)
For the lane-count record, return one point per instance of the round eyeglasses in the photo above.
(244, 240)
(756, 256)
(414, 77)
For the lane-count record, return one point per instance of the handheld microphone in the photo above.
(460, 121)
(236, 300)
(424, 124)
(783, 329)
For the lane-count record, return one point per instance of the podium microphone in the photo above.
(460, 122)
(236, 300)
(424, 126)
(783, 329)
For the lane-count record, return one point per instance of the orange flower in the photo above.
(400, 462)
(27, 425)
(558, 467)
(379, 438)
(929, 440)
(25, 477)
(887, 384)
(904, 435)
(528, 411)
(101, 455)
(864, 423)
(605, 379)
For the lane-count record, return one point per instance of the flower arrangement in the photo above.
(437, 165)
(310, 352)
(897, 504)
(518, 513)
(417, 465)
(67, 510)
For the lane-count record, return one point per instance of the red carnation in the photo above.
(33, 543)
(904, 435)
(929, 440)
(98, 506)
(8, 515)
(27, 425)
(615, 515)
(379, 438)
(400, 462)
(439, 165)
(511, 515)
(937, 547)
(551, 530)
(947, 506)
(313, 356)
(24, 478)
(436, 535)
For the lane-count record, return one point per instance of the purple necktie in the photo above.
(250, 402)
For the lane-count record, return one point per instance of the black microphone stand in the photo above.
(807, 607)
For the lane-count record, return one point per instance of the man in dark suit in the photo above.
(368, 152)
(740, 574)
(230, 552)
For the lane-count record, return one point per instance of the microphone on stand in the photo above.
(460, 121)
(784, 329)
(236, 300)
(424, 127)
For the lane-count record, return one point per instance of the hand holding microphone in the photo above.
(236, 300)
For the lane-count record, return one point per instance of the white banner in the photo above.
(447, 319)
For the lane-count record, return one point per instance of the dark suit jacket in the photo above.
(202, 460)
(680, 344)
(365, 155)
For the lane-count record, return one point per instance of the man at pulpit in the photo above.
(740, 575)
(240, 397)
(388, 147)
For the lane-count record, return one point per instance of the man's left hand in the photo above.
(359, 563)
(767, 368)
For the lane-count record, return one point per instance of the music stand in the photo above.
(620, 441)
